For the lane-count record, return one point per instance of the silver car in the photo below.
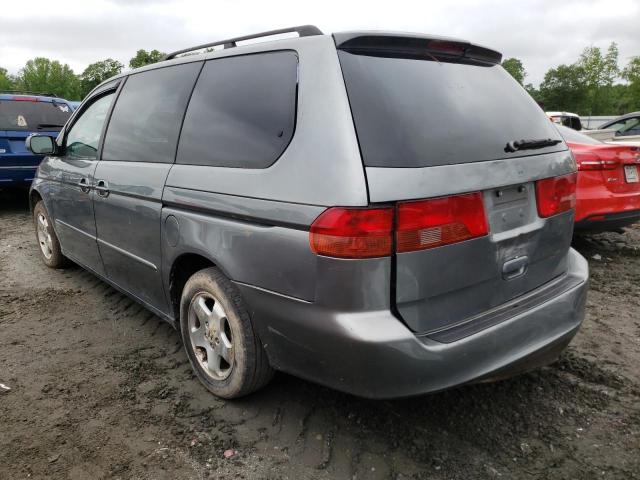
(386, 214)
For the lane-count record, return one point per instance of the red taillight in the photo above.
(440, 221)
(591, 161)
(556, 194)
(443, 46)
(353, 233)
(24, 99)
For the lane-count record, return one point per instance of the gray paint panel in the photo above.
(270, 257)
(371, 353)
(322, 164)
(389, 184)
(72, 207)
(261, 211)
(128, 227)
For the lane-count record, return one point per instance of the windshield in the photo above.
(629, 126)
(421, 113)
(32, 116)
(572, 136)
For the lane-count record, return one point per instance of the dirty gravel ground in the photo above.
(100, 388)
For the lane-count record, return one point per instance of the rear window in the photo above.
(33, 116)
(422, 113)
(242, 113)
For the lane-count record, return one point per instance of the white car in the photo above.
(571, 120)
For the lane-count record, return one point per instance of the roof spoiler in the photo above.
(413, 46)
(302, 31)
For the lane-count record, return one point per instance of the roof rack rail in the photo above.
(302, 30)
(28, 92)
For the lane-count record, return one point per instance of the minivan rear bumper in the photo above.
(373, 354)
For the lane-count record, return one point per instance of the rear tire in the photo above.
(48, 242)
(218, 336)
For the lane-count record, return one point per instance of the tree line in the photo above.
(594, 84)
(42, 75)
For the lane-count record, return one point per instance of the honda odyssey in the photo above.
(386, 214)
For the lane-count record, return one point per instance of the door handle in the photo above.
(102, 188)
(84, 185)
(515, 268)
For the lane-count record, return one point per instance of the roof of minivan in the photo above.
(283, 43)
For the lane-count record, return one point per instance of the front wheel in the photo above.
(50, 251)
(223, 348)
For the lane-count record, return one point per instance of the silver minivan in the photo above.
(386, 214)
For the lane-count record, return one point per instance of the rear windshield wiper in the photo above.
(516, 145)
(49, 125)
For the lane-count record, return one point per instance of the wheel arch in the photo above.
(34, 197)
(182, 268)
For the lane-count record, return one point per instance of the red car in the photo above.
(608, 190)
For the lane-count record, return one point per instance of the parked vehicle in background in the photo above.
(608, 191)
(265, 201)
(567, 119)
(74, 105)
(624, 127)
(22, 114)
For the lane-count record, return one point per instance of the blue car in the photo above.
(74, 105)
(20, 116)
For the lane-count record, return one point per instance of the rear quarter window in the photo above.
(421, 113)
(242, 113)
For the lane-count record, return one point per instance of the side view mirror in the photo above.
(40, 144)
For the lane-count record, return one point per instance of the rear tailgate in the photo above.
(433, 119)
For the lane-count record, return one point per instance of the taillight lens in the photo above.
(556, 194)
(591, 161)
(353, 233)
(440, 221)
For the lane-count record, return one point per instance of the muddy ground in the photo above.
(100, 388)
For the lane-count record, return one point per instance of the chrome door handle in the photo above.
(102, 188)
(84, 185)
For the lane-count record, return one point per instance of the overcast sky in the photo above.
(542, 33)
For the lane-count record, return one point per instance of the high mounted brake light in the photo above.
(442, 46)
(556, 194)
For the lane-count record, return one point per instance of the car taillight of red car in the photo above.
(608, 189)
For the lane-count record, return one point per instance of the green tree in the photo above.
(143, 58)
(563, 89)
(49, 76)
(7, 82)
(515, 68)
(97, 72)
(631, 73)
(599, 72)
